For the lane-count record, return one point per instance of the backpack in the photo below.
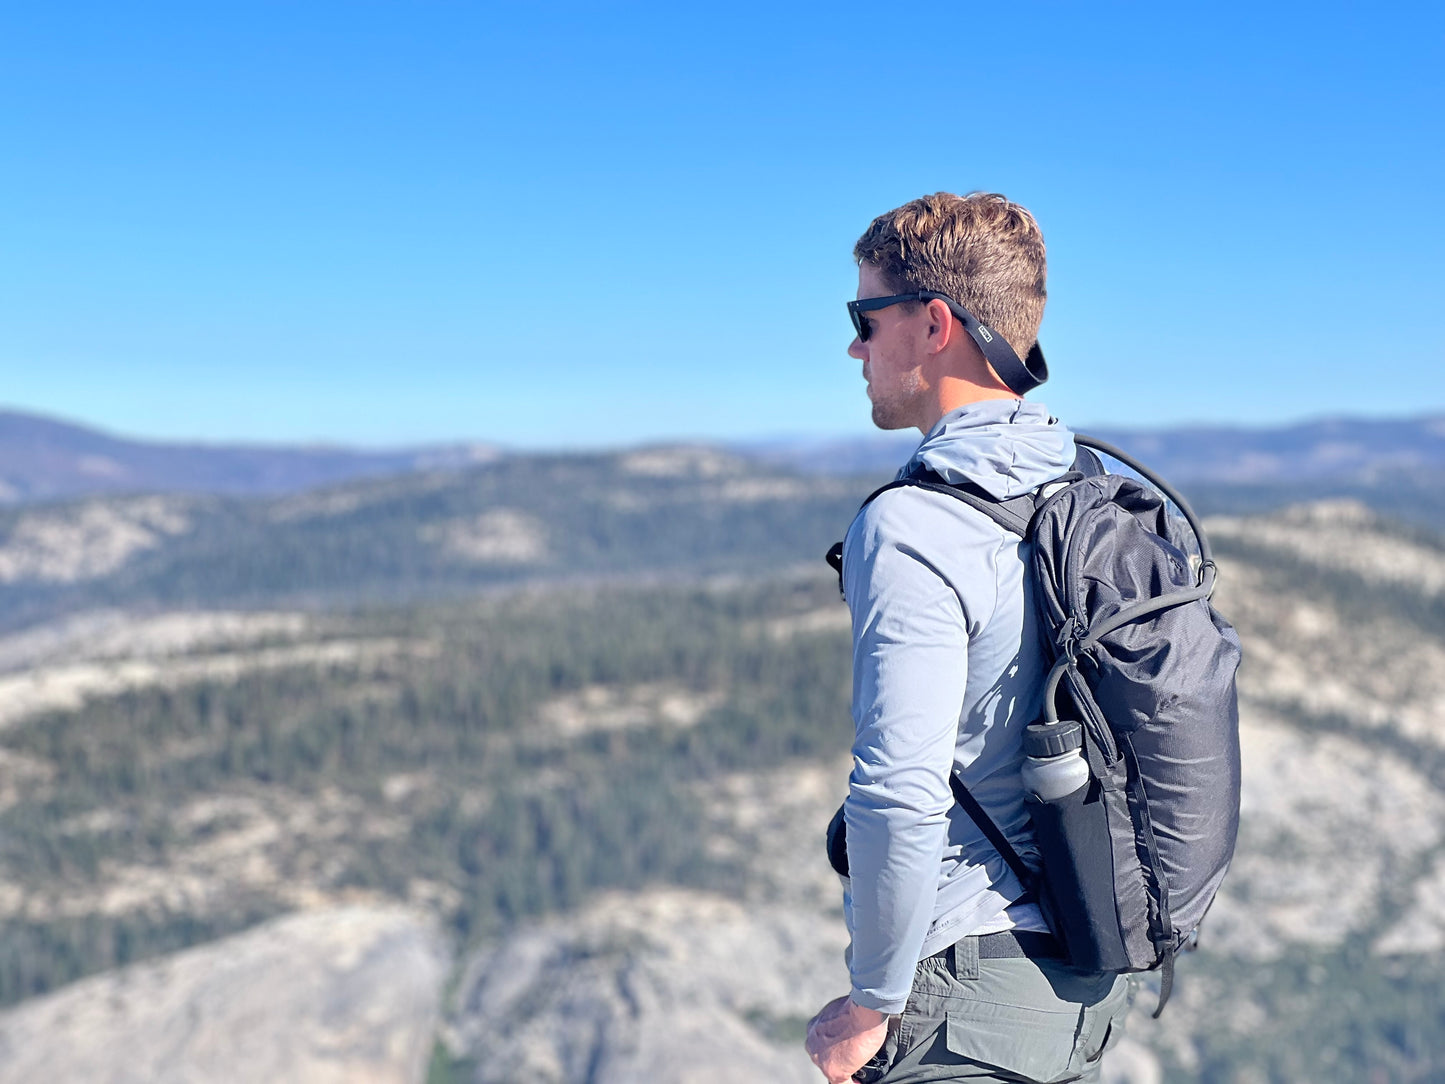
(1139, 657)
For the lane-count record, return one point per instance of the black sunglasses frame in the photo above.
(1020, 376)
(856, 309)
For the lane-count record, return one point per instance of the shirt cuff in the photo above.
(869, 1001)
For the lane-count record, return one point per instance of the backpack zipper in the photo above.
(1078, 688)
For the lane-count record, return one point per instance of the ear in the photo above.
(942, 328)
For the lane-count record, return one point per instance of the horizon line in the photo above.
(328, 444)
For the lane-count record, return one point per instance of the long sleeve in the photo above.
(910, 673)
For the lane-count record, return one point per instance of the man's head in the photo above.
(981, 251)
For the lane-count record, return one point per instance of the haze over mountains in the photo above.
(46, 459)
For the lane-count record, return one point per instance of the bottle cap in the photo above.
(1053, 739)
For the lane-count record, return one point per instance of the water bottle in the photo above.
(1054, 766)
(1074, 834)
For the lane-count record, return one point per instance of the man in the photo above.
(954, 973)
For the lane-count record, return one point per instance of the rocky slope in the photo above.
(344, 996)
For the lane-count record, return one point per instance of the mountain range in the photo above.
(44, 459)
(1340, 450)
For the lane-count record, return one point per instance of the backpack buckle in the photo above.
(1067, 640)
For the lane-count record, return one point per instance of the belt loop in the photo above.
(963, 958)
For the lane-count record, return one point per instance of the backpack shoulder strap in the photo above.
(1086, 463)
(1013, 515)
(994, 834)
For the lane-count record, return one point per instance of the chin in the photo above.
(884, 418)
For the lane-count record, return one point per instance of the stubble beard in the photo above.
(898, 409)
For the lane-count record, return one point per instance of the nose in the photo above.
(856, 349)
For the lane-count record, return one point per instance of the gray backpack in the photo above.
(1132, 860)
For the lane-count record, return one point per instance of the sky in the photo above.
(561, 225)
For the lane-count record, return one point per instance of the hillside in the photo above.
(660, 513)
(673, 512)
(583, 767)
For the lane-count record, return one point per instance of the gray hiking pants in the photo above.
(1014, 1020)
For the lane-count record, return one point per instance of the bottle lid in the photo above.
(1053, 739)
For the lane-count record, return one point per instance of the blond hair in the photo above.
(982, 250)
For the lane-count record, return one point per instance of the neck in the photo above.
(957, 391)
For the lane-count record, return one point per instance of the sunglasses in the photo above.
(1021, 376)
(856, 309)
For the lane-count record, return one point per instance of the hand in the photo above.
(843, 1037)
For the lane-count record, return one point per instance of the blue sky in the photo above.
(592, 224)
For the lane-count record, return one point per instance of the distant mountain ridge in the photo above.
(1355, 449)
(1328, 449)
(43, 459)
(47, 459)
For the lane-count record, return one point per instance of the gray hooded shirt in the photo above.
(947, 671)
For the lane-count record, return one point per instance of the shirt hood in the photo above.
(1009, 447)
